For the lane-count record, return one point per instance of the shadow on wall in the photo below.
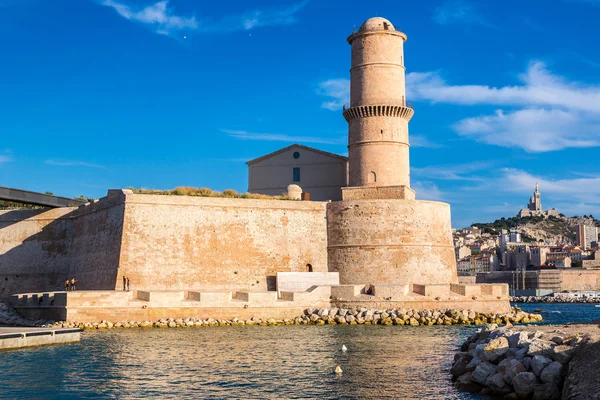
(41, 248)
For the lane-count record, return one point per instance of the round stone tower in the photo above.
(378, 115)
(379, 233)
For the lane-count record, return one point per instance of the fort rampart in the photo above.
(161, 243)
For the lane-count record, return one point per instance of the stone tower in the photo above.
(378, 115)
(379, 233)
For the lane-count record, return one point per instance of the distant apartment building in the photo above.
(462, 252)
(558, 260)
(587, 236)
(317, 172)
(538, 255)
(472, 265)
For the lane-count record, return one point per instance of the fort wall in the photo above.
(391, 241)
(34, 250)
(182, 242)
(97, 232)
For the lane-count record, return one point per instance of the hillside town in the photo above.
(516, 251)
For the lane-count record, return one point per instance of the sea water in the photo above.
(253, 362)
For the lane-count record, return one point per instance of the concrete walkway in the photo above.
(18, 337)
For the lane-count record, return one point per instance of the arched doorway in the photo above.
(309, 268)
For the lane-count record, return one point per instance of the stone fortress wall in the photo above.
(34, 249)
(391, 241)
(182, 242)
(161, 243)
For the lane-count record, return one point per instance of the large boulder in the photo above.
(465, 383)
(474, 363)
(495, 349)
(497, 384)
(460, 368)
(523, 384)
(483, 372)
(540, 347)
(553, 373)
(538, 363)
(511, 369)
(563, 353)
(518, 339)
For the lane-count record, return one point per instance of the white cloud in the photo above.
(577, 189)
(163, 21)
(277, 137)
(64, 163)
(6, 157)
(555, 114)
(540, 88)
(338, 90)
(546, 112)
(426, 190)
(459, 12)
(534, 130)
(422, 141)
(452, 172)
(161, 17)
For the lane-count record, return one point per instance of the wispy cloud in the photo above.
(534, 130)
(161, 18)
(452, 172)
(545, 112)
(422, 141)
(65, 163)
(459, 12)
(577, 189)
(426, 190)
(338, 90)
(555, 113)
(6, 157)
(539, 87)
(277, 137)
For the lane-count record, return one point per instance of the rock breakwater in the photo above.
(332, 316)
(517, 362)
(554, 299)
(8, 316)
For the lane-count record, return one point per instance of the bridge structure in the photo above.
(38, 199)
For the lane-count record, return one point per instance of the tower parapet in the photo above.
(378, 116)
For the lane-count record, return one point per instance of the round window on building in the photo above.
(296, 155)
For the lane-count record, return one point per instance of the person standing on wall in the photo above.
(128, 284)
(73, 281)
(124, 283)
(67, 283)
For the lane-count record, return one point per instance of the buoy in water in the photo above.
(344, 348)
(338, 370)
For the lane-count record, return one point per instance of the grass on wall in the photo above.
(206, 192)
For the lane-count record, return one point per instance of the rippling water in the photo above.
(240, 362)
(251, 362)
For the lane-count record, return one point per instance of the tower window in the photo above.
(372, 177)
(385, 26)
(382, 131)
(296, 173)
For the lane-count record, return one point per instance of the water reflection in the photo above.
(240, 362)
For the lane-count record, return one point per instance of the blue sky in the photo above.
(158, 94)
